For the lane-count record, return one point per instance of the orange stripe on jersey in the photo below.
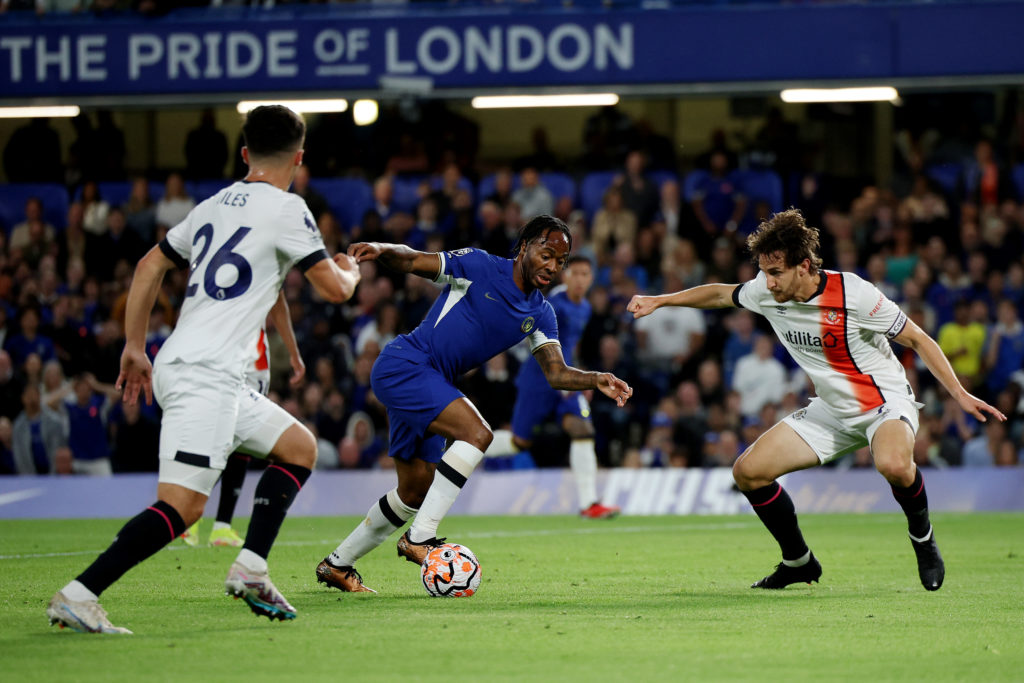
(837, 353)
(262, 363)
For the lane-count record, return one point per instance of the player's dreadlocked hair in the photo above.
(786, 233)
(540, 226)
(273, 129)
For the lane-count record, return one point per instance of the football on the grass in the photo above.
(451, 571)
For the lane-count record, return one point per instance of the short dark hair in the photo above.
(578, 258)
(539, 226)
(273, 129)
(786, 233)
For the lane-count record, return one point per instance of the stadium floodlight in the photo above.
(873, 94)
(297, 106)
(527, 101)
(70, 111)
(364, 112)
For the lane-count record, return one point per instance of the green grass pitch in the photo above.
(562, 599)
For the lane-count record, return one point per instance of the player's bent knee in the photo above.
(296, 446)
(481, 437)
(748, 475)
(895, 468)
(186, 502)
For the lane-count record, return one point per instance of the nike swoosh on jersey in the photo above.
(487, 295)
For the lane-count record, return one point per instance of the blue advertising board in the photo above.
(480, 48)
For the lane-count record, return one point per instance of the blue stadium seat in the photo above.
(348, 198)
(559, 185)
(406, 192)
(203, 189)
(947, 175)
(592, 190)
(464, 184)
(762, 185)
(14, 195)
(485, 188)
(659, 178)
(1018, 181)
(114, 193)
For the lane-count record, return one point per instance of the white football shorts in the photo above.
(830, 436)
(207, 415)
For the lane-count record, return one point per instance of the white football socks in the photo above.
(456, 465)
(382, 519)
(252, 561)
(78, 592)
(583, 462)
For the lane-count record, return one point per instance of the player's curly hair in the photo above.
(540, 226)
(273, 129)
(788, 234)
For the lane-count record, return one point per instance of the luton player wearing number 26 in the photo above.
(239, 244)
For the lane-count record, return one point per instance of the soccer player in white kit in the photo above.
(239, 244)
(257, 377)
(837, 327)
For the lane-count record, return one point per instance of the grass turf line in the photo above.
(637, 598)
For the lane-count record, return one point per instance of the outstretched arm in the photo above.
(936, 361)
(136, 370)
(398, 257)
(704, 296)
(280, 316)
(562, 376)
(334, 279)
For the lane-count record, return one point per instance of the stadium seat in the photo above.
(203, 189)
(114, 192)
(592, 190)
(14, 195)
(1018, 181)
(762, 185)
(947, 175)
(659, 178)
(348, 198)
(464, 184)
(759, 185)
(406, 192)
(558, 184)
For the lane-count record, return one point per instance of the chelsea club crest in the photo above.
(527, 325)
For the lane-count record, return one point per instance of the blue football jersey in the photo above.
(572, 318)
(479, 314)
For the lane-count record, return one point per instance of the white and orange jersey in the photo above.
(240, 244)
(257, 372)
(839, 337)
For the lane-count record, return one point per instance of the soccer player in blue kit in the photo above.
(537, 402)
(490, 304)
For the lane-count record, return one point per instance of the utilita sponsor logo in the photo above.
(807, 340)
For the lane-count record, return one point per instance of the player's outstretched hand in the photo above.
(614, 388)
(976, 407)
(136, 375)
(640, 306)
(298, 370)
(346, 262)
(364, 251)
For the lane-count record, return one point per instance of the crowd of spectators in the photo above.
(707, 383)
